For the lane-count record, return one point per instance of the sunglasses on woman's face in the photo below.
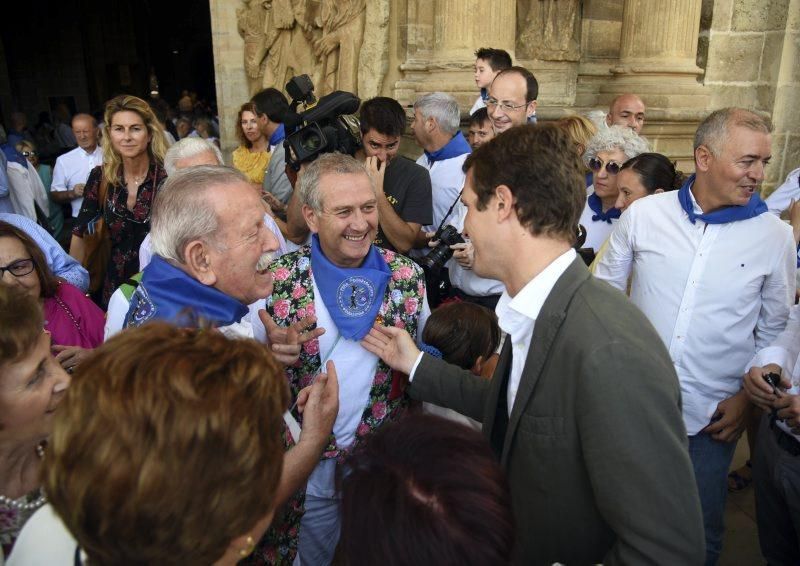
(29, 154)
(612, 167)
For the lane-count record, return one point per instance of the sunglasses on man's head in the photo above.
(612, 167)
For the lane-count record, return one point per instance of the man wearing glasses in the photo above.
(512, 99)
(715, 276)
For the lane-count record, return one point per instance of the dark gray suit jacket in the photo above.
(595, 448)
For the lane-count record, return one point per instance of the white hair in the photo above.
(189, 147)
(338, 163)
(183, 212)
(441, 107)
(614, 138)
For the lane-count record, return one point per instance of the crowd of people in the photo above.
(538, 343)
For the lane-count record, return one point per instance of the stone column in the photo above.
(786, 118)
(658, 52)
(444, 62)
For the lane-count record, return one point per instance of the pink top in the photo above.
(72, 319)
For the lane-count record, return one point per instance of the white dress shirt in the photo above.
(784, 351)
(517, 317)
(779, 200)
(715, 293)
(72, 169)
(597, 231)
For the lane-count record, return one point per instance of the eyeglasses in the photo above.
(29, 154)
(19, 268)
(612, 167)
(505, 106)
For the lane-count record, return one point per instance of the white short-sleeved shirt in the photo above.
(72, 169)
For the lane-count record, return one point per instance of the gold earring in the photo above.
(250, 546)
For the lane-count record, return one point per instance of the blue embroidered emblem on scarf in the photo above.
(597, 207)
(753, 208)
(277, 136)
(170, 294)
(352, 296)
(456, 146)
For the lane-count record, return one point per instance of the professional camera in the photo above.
(435, 260)
(326, 125)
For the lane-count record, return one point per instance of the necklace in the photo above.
(20, 504)
(135, 180)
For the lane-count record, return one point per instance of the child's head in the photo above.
(467, 334)
(480, 128)
(489, 62)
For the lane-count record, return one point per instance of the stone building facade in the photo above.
(683, 57)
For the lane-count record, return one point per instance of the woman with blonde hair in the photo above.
(252, 155)
(119, 194)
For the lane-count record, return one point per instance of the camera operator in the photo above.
(404, 188)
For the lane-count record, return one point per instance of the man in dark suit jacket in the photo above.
(583, 409)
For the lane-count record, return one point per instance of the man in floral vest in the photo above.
(348, 284)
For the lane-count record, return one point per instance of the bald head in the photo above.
(626, 110)
(84, 127)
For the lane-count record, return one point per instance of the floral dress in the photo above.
(126, 228)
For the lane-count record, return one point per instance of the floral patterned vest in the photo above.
(293, 299)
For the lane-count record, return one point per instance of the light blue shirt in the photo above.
(60, 263)
(5, 194)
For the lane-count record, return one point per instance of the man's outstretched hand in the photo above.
(286, 342)
(393, 345)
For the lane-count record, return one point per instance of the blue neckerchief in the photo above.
(723, 215)
(12, 155)
(455, 147)
(532, 119)
(484, 94)
(432, 350)
(352, 296)
(277, 136)
(170, 294)
(597, 207)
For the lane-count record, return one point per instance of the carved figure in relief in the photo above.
(547, 30)
(250, 19)
(342, 23)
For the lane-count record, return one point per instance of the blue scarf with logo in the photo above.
(597, 207)
(170, 294)
(352, 296)
(484, 94)
(723, 215)
(455, 147)
(277, 136)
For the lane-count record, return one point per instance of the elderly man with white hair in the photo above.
(188, 152)
(604, 155)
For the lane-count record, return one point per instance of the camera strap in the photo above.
(447, 215)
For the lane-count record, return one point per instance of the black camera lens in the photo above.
(436, 259)
(311, 141)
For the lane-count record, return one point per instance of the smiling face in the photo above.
(243, 247)
(348, 221)
(737, 171)
(379, 145)
(251, 127)
(605, 184)
(509, 89)
(30, 390)
(12, 252)
(128, 134)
